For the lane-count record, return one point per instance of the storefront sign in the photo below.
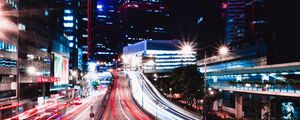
(47, 79)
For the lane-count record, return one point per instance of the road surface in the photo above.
(121, 106)
(83, 111)
(153, 102)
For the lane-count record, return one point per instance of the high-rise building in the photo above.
(27, 61)
(245, 27)
(82, 36)
(143, 20)
(104, 31)
(8, 57)
(70, 23)
(245, 22)
(72, 20)
(282, 33)
(33, 47)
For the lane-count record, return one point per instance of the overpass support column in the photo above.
(217, 104)
(239, 106)
(265, 110)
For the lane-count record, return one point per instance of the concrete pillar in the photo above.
(265, 110)
(220, 104)
(239, 106)
(217, 105)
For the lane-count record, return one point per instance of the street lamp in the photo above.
(211, 92)
(186, 49)
(31, 70)
(223, 50)
(118, 60)
(171, 93)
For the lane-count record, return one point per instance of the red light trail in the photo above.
(121, 104)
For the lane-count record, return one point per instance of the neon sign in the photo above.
(46, 79)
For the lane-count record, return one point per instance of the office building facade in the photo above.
(156, 56)
(143, 20)
(8, 58)
(103, 31)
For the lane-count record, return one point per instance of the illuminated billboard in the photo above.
(61, 69)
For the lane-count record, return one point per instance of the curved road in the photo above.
(121, 106)
(155, 103)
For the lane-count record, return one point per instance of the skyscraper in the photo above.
(283, 28)
(143, 20)
(82, 36)
(72, 20)
(34, 42)
(8, 57)
(70, 23)
(103, 28)
(245, 22)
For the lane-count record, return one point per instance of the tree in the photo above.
(95, 84)
(188, 81)
(193, 81)
(176, 80)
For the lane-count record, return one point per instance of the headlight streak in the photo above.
(165, 109)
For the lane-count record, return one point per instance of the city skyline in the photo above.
(149, 59)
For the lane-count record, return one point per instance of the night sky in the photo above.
(187, 24)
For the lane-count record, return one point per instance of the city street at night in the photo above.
(121, 105)
(149, 60)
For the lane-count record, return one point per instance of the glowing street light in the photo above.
(211, 92)
(31, 70)
(187, 49)
(223, 50)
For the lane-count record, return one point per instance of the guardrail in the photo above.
(282, 89)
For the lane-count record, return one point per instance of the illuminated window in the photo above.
(84, 19)
(8, 62)
(68, 18)
(46, 13)
(109, 23)
(102, 16)
(7, 47)
(100, 7)
(68, 11)
(68, 24)
(84, 35)
(71, 44)
(21, 27)
(70, 37)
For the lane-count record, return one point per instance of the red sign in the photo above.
(47, 79)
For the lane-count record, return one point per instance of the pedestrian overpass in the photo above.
(277, 80)
(280, 80)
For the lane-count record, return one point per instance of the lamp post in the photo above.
(170, 93)
(116, 62)
(186, 49)
(223, 51)
(204, 86)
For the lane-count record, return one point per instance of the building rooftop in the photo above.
(152, 45)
